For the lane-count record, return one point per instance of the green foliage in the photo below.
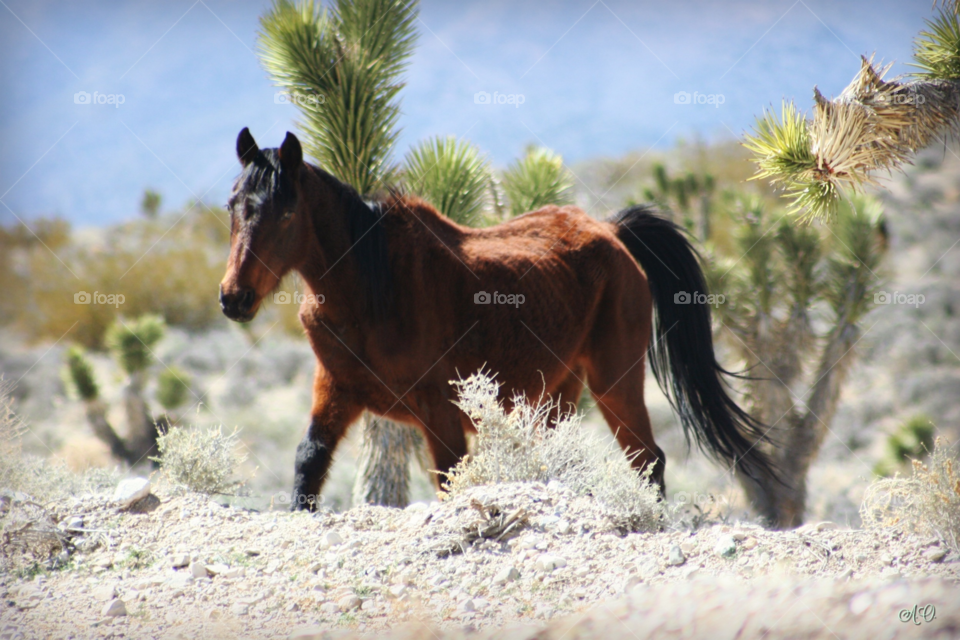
(173, 387)
(150, 204)
(936, 50)
(342, 69)
(681, 195)
(79, 374)
(854, 258)
(451, 175)
(537, 180)
(132, 341)
(914, 440)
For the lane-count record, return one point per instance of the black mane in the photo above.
(264, 180)
(368, 243)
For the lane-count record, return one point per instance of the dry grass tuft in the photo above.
(201, 460)
(927, 503)
(521, 446)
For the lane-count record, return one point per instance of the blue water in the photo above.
(592, 79)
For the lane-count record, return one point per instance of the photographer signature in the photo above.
(918, 614)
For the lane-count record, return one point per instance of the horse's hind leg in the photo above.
(618, 391)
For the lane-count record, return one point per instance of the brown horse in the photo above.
(405, 300)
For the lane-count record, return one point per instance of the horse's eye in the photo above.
(286, 216)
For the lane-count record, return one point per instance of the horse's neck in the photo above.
(328, 239)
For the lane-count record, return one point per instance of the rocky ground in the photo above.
(510, 561)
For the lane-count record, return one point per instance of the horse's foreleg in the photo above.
(331, 416)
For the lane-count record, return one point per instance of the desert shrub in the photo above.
(201, 460)
(159, 266)
(523, 446)
(44, 479)
(928, 502)
(912, 441)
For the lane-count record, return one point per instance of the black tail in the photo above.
(681, 350)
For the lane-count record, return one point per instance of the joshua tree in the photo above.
(683, 196)
(873, 125)
(150, 204)
(131, 343)
(342, 68)
(793, 308)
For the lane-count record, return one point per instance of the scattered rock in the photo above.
(505, 575)
(827, 526)
(198, 570)
(330, 608)
(179, 560)
(330, 539)
(113, 609)
(348, 603)
(935, 554)
(726, 546)
(675, 558)
(547, 563)
(467, 606)
(688, 547)
(240, 609)
(397, 591)
(106, 592)
(130, 491)
(749, 543)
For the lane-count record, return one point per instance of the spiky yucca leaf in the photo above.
(451, 175)
(858, 248)
(937, 49)
(536, 180)
(132, 341)
(342, 69)
(78, 373)
(782, 146)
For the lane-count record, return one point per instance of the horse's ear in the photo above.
(246, 147)
(291, 155)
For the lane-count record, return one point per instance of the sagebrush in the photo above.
(526, 445)
(928, 502)
(201, 460)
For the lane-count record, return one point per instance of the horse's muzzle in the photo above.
(238, 305)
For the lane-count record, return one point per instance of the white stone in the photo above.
(726, 546)
(330, 539)
(348, 603)
(113, 609)
(179, 560)
(198, 570)
(467, 606)
(105, 592)
(131, 490)
(547, 563)
(935, 554)
(505, 575)
(239, 609)
(675, 558)
(397, 590)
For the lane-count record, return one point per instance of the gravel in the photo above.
(372, 570)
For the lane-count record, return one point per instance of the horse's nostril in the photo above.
(246, 299)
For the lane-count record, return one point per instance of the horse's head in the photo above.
(268, 224)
